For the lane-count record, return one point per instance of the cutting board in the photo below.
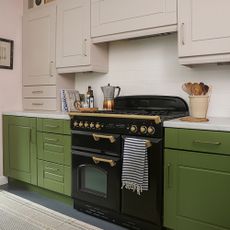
(194, 119)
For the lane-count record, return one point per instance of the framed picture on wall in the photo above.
(6, 53)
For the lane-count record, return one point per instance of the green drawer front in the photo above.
(54, 147)
(22, 121)
(54, 125)
(197, 140)
(54, 177)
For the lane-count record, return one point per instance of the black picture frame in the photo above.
(6, 53)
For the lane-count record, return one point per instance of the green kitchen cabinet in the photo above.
(19, 141)
(196, 180)
(54, 155)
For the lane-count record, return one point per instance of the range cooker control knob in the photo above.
(80, 124)
(75, 124)
(133, 129)
(86, 124)
(91, 125)
(143, 129)
(98, 126)
(151, 130)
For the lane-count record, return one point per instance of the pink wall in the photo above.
(11, 80)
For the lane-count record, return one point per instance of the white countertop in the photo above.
(214, 123)
(39, 114)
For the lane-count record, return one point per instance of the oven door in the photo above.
(96, 179)
(148, 205)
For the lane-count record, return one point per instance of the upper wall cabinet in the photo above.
(41, 83)
(120, 19)
(39, 46)
(204, 32)
(74, 50)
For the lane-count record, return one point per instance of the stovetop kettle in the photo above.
(109, 92)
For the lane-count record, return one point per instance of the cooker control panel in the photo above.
(135, 127)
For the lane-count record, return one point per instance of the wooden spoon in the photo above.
(186, 89)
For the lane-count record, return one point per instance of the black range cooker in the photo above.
(97, 150)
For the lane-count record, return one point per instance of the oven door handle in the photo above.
(97, 137)
(97, 160)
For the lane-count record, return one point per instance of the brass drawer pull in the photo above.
(97, 137)
(37, 91)
(51, 139)
(52, 169)
(52, 126)
(37, 104)
(207, 142)
(97, 160)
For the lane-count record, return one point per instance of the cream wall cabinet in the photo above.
(204, 32)
(120, 19)
(41, 83)
(75, 51)
(39, 46)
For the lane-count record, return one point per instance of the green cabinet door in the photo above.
(196, 191)
(20, 148)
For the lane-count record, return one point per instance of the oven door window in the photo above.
(92, 180)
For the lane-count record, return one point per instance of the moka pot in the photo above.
(109, 92)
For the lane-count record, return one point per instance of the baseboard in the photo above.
(3, 180)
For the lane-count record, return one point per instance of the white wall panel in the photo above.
(150, 66)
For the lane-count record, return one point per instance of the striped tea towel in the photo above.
(135, 165)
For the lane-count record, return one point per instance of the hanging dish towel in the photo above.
(135, 165)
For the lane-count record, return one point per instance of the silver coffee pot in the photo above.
(109, 92)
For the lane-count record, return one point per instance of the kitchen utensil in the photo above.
(108, 92)
(196, 89)
(187, 88)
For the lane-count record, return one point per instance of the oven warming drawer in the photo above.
(97, 142)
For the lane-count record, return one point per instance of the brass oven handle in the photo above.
(148, 144)
(97, 137)
(207, 142)
(97, 160)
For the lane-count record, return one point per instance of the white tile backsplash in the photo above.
(150, 66)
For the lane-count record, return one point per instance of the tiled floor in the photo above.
(61, 207)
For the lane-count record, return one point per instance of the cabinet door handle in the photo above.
(168, 175)
(85, 47)
(30, 137)
(207, 142)
(51, 69)
(182, 33)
